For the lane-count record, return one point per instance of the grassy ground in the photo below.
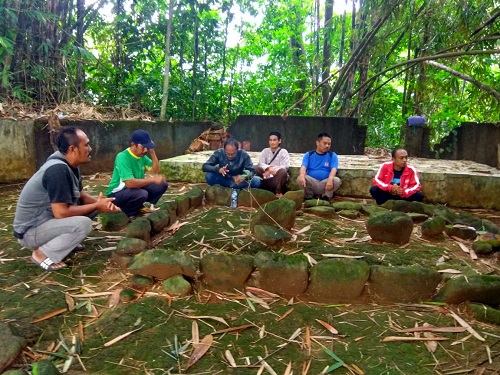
(162, 331)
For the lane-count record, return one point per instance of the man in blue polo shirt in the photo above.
(318, 170)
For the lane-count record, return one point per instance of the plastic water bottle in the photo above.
(234, 198)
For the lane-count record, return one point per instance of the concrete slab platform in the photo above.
(457, 183)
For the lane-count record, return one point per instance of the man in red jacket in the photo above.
(397, 180)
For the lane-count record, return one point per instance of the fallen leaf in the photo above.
(472, 254)
(303, 230)
(463, 323)
(121, 337)
(230, 224)
(69, 301)
(307, 340)
(216, 318)
(464, 248)
(343, 256)
(430, 328)
(230, 358)
(409, 338)
(430, 345)
(450, 270)
(114, 299)
(285, 315)
(80, 331)
(233, 329)
(49, 315)
(262, 331)
(199, 350)
(288, 369)
(267, 366)
(261, 292)
(327, 326)
(195, 333)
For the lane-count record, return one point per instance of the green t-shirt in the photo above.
(127, 167)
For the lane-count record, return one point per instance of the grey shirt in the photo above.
(279, 162)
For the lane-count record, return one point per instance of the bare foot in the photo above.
(279, 195)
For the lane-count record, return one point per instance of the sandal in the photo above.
(48, 264)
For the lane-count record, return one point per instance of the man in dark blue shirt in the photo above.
(318, 170)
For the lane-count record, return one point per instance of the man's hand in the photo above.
(302, 181)
(329, 185)
(223, 170)
(158, 179)
(269, 172)
(396, 190)
(237, 179)
(106, 204)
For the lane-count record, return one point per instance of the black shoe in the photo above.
(79, 247)
(325, 198)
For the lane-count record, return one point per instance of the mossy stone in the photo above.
(183, 205)
(171, 208)
(460, 231)
(141, 282)
(393, 227)
(121, 260)
(417, 217)
(369, 209)
(113, 221)
(337, 280)
(270, 234)
(162, 264)
(354, 206)
(388, 205)
(469, 219)
(446, 213)
(218, 195)
(350, 214)
(297, 196)
(254, 197)
(490, 227)
(484, 313)
(286, 275)
(321, 211)
(140, 228)
(492, 239)
(195, 197)
(279, 212)
(44, 367)
(482, 247)
(478, 288)
(14, 372)
(131, 246)
(225, 272)
(433, 227)
(127, 295)
(315, 203)
(159, 221)
(403, 284)
(11, 343)
(177, 286)
(415, 207)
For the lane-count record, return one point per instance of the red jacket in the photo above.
(409, 179)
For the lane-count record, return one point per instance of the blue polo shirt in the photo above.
(319, 165)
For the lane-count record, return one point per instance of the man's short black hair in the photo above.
(323, 135)
(393, 152)
(277, 134)
(66, 136)
(231, 141)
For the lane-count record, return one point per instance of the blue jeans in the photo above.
(218, 179)
(132, 200)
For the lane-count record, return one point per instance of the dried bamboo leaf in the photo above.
(114, 299)
(233, 329)
(91, 295)
(464, 248)
(285, 315)
(288, 369)
(230, 358)
(430, 345)
(305, 367)
(261, 292)
(50, 315)
(463, 323)
(327, 326)
(121, 337)
(473, 254)
(343, 256)
(80, 331)
(262, 331)
(267, 366)
(409, 338)
(434, 329)
(69, 301)
(195, 333)
(216, 318)
(450, 270)
(303, 230)
(199, 350)
(307, 340)
(229, 224)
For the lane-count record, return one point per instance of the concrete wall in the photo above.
(299, 133)
(471, 141)
(17, 145)
(26, 145)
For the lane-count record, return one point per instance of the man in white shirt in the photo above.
(274, 162)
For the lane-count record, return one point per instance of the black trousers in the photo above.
(382, 196)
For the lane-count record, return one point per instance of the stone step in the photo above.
(457, 183)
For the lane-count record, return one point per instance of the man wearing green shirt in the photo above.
(129, 184)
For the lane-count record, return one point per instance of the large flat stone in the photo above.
(458, 183)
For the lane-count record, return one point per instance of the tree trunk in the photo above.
(195, 60)
(166, 77)
(327, 51)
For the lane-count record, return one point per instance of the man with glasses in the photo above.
(129, 184)
(53, 213)
(230, 167)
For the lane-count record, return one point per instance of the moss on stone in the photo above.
(479, 288)
(195, 196)
(270, 234)
(463, 232)
(321, 211)
(141, 282)
(44, 367)
(183, 205)
(140, 228)
(482, 247)
(433, 227)
(218, 195)
(254, 197)
(369, 209)
(315, 203)
(127, 295)
(297, 196)
(131, 246)
(484, 313)
(159, 220)
(280, 211)
(351, 214)
(113, 221)
(177, 286)
(267, 259)
(354, 206)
